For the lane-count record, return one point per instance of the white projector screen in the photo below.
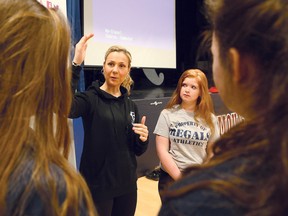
(145, 27)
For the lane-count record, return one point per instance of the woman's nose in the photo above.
(115, 69)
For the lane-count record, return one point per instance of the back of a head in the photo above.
(35, 89)
(34, 52)
(258, 30)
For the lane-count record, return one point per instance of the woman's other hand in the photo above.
(141, 129)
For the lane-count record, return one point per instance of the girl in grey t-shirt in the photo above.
(186, 128)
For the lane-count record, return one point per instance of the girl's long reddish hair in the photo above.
(204, 106)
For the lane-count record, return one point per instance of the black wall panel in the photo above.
(151, 108)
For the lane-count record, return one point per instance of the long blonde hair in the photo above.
(204, 105)
(35, 84)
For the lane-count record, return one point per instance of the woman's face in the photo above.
(116, 68)
(190, 91)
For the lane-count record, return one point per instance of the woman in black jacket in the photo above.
(113, 135)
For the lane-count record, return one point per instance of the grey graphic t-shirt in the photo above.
(188, 137)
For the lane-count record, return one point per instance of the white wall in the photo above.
(60, 4)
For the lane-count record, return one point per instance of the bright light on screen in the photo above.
(145, 27)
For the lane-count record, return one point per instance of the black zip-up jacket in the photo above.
(108, 161)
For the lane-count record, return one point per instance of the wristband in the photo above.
(76, 65)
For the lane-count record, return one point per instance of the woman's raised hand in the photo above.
(80, 49)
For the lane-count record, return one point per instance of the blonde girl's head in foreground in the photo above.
(115, 61)
(35, 93)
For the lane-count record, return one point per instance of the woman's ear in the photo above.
(235, 65)
(241, 66)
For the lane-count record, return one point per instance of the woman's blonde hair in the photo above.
(204, 106)
(128, 82)
(35, 88)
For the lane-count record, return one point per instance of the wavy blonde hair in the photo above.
(35, 84)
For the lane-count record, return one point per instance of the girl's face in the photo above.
(116, 68)
(190, 91)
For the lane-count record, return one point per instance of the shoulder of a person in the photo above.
(165, 112)
(130, 100)
(91, 91)
(202, 202)
(220, 171)
(205, 201)
(131, 104)
(171, 110)
(94, 86)
(214, 117)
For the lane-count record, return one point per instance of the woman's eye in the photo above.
(122, 66)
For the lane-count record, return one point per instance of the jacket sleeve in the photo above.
(80, 101)
(139, 146)
(75, 77)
